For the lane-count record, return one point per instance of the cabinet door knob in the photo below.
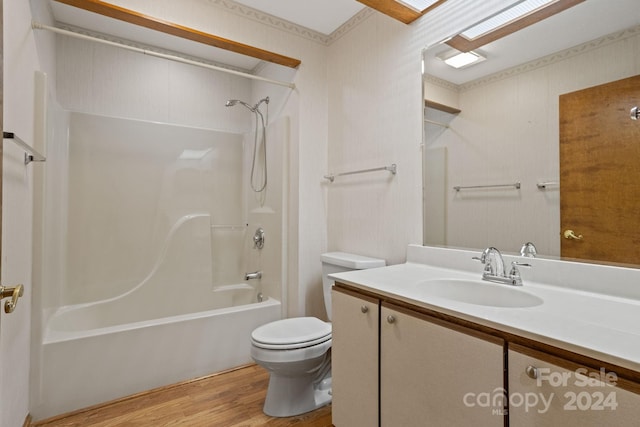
(531, 371)
(391, 319)
(364, 309)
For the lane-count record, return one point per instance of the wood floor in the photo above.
(230, 399)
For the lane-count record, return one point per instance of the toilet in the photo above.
(296, 351)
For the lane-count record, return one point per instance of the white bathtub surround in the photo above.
(123, 185)
(587, 308)
(180, 282)
(151, 227)
(92, 366)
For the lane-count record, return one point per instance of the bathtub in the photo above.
(93, 353)
(143, 280)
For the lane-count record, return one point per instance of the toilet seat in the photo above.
(289, 334)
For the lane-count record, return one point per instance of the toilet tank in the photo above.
(337, 262)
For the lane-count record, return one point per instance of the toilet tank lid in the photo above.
(356, 262)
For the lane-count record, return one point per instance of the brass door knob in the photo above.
(569, 234)
(14, 292)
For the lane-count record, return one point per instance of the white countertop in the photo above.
(590, 322)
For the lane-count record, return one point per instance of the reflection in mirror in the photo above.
(493, 130)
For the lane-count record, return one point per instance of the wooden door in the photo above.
(600, 173)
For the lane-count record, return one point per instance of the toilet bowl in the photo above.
(297, 351)
(299, 365)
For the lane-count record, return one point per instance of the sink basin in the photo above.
(477, 292)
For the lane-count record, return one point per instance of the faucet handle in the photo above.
(483, 260)
(258, 239)
(528, 250)
(483, 255)
(514, 274)
(488, 268)
(515, 264)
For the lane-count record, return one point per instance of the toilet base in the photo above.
(299, 378)
(288, 396)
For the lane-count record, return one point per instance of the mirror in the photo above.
(491, 153)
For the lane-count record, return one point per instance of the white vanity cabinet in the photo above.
(550, 391)
(396, 364)
(354, 360)
(433, 373)
(394, 367)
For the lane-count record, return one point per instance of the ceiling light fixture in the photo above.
(457, 59)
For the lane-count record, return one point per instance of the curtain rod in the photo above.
(38, 26)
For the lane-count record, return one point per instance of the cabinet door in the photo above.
(434, 374)
(354, 360)
(544, 394)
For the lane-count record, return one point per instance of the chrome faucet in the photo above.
(254, 275)
(493, 262)
(494, 268)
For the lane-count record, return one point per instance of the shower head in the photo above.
(232, 102)
(265, 100)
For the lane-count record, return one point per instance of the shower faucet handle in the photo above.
(258, 238)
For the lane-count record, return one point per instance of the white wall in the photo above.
(375, 108)
(20, 61)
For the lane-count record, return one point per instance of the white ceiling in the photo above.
(324, 16)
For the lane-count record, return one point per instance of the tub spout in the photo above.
(254, 275)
